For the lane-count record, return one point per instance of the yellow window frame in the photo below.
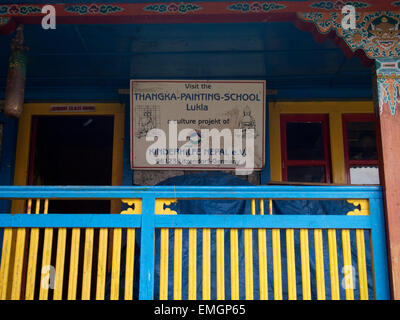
(335, 110)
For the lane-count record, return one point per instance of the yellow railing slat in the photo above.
(60, 260)
(129, 264)
(19, 257)
(192, 264)
(234, 250)
(319, 264)
(73, 265)
(46, 258)
(248, 263)
(305, 264)
(116, 264)
(333, 265)
(87, 264)
(276, 261)
(164, 247)
(32, 258)
(262, 258)
(18, 264)
(362, 267)
(5, 262)
(102, 263)
(206, 265)
(291, 265)
(178, 264)
(347, 265)
(220, 265)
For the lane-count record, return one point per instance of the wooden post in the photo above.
(387, 98)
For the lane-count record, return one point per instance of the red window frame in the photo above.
(359, 117)
(321, 118)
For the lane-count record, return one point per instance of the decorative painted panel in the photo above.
(388, 83)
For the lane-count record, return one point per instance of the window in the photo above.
(305, 148)
(359, 134)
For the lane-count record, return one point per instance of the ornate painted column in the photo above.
(15, 89)
(387, 99)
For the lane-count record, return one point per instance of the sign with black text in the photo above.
(197, 125)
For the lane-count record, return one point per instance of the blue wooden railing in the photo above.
(148, 221)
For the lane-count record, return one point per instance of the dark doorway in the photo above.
(73, 151)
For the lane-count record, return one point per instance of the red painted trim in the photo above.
(208, 11)
(322, 118)
(362, 117)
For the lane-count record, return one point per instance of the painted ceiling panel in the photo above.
(110, 55)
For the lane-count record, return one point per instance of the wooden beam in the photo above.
(189, 12)
(387, 90)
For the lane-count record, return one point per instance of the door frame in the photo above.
(42, 109)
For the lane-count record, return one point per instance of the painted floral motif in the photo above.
(4, 21)
(388, 79)
(14, 9)
(173, 8)
(389, 91)
(396, 3)
(94, 9)
(255, 7)
(338, 5)
(377, 33)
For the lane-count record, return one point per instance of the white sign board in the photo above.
(169, 115)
